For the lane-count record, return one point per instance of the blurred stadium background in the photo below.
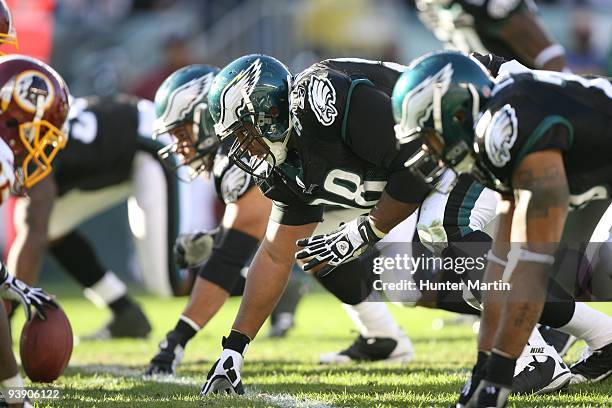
(108, 46)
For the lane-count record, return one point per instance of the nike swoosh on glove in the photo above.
(342, 245)
(224, 376)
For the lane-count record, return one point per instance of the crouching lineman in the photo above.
(308, 149)
(182, 113)
(34, 109)
(527, 135)
(110, 157)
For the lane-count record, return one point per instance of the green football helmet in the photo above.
(249, 100)
(436, 102)
(181, 110)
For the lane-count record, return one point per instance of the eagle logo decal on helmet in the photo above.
(183, 100)
(235, 97)
(322, 97)
(418, 104)
(500, 133)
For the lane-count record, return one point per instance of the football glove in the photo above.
(191, 250)
(12, 288)
(342, 245)
(224, 376)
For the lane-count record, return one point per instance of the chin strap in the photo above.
(279, 149)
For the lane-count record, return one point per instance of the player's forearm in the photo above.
(265, 283)
(529, 282)
(389, 212)
(26, 255)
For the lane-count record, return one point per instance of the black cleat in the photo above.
(594, 366)
(373, 349)
(541, 371)
(168, 358)
(131, 322)
(559, 340)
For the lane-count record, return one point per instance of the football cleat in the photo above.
(373, 349)
(168, 358)
(129, 323)
(559, 340)
(593, 366)
(540, 370)
(280, 325)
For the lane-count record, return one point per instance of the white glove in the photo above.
(342, 245)
(191, 250)
(224, 376)
(12, 288)
(7, 171)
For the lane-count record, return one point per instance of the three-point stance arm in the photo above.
(541, 205)
(268, 275)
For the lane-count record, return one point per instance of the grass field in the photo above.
(284, 372)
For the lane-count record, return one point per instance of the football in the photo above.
(46, 345)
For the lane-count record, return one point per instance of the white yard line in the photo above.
(278, 400)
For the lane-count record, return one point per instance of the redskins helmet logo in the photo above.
(33, 91)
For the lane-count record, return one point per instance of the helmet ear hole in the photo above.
(12, 123)
(459, 116)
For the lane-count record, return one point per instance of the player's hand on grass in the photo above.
(224, 376)
(13, 289)
(324, 252)
(191, 250)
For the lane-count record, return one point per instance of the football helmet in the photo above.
(7, 29)
(181, 110)
(436, 102)
(33, 111)
(249, 99)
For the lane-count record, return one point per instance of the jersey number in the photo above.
(351, 187)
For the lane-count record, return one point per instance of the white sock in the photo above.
(590, 325)
(190, 322)
(106, 290)
(373, 319)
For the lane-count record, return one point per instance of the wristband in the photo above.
(491, 257)
(528, 256)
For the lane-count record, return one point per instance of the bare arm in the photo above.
(542, 199)
(527, 38)
(492, 300)
(31, 223)
(268, 275)
(389, 212)
(247, 215)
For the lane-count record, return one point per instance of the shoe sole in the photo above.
(587, 381)
(403, 358)
(558, 383)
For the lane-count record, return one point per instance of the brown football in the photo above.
(46, 345)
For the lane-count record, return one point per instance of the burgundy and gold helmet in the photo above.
(33, 110)
(8, 34)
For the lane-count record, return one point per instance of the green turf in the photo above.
(283, 372)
